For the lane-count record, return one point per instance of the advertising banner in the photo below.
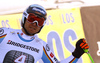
(61, 31)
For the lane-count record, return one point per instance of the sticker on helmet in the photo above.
(38, 9)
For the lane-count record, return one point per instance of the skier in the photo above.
(23, 45)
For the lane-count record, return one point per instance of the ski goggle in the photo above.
(32, 18)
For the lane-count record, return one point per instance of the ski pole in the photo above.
(87, 51)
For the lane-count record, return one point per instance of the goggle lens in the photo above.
(32, 17)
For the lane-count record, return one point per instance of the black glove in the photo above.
(80, 45)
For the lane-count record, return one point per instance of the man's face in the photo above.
(32, 28)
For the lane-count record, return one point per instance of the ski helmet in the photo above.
(37, 10)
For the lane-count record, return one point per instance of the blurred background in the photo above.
(13, 6)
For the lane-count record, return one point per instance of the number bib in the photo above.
(15, 49)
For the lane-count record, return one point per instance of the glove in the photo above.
(80, 45)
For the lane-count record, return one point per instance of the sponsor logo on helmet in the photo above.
(39, 10)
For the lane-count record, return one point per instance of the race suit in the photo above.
(16, 47)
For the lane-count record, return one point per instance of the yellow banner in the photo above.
(11, 21)
(61, 31)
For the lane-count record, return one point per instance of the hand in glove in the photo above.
(80, 45)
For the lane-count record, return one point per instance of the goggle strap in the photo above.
(44, 23)
(25, 14)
